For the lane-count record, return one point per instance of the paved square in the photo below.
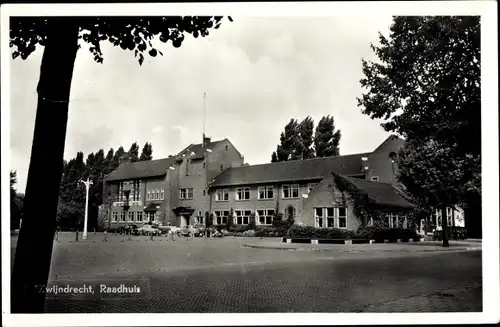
(222, 275)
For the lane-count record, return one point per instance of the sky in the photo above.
(257, 72)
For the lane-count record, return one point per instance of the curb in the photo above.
(358, 250)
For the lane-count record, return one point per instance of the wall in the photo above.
(327, 195)
(193, 174)
(256, 204)
(222, 157)
(379, 161)
(148, 183)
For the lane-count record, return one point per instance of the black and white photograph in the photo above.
(194, 163)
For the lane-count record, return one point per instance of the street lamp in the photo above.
(87, 183)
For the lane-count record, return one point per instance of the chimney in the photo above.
(206, 140)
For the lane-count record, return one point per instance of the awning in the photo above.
(183, 211)
(151, 207)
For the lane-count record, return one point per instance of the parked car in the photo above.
(127, 229)
(148, 230)
(163, 229)
(187, 230)
(214, 232)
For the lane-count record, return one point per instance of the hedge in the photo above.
(392, 234)
(319, 233)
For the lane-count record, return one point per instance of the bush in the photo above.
(270, 231)
(318, 233)
(281, 224)
(392, 234)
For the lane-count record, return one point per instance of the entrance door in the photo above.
(184, 220)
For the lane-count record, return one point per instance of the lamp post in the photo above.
(87, 187)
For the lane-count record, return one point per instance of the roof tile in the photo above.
(295, 170)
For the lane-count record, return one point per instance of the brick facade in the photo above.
(195, 169)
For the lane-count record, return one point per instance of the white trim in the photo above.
(291, 188)
(265, 215)
(243, 192)
(243, 216)
(266, 189)
(223, 191)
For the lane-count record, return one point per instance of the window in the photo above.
(157, 194)
(186, 193)
(370, 222)
(342, 217)
(162, 194)
(149, 195)
(242, 193)
(318, 214)
(131, 216)
(204, 193)
(242, 217)
(405, 222)
(374, 178)
(222, 195)
(290, 191)
(139, 216)
(114, 216)
(220, 217)
(393, 221)
(221, 168)
(266, 192)
(330, 217)
(204, 165)
(265, 217)
(226, 147)
(311, 187)
(122, 216)
(449, 215)
(150, 216)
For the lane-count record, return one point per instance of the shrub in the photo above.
(319, 233)
(240, 228)
(281, 224)
(270, 231)
(392, 234)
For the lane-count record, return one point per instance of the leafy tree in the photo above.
(326, 139)
(147, 152)
(274, 157)
(426, 86)
(133, 153)
(306, 131)
(443, 177)
(60, 37)
(289, 147)
(251, 223)
(229, 221)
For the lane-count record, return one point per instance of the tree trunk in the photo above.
(34, 246)
(444, 225)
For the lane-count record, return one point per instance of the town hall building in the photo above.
(210, 180)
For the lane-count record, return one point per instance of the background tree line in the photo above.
(302, 141)
(71, 208)
(16, 202)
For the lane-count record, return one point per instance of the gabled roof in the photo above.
(289, 171)
(141, 169)
(380, 193)
(198, 150)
